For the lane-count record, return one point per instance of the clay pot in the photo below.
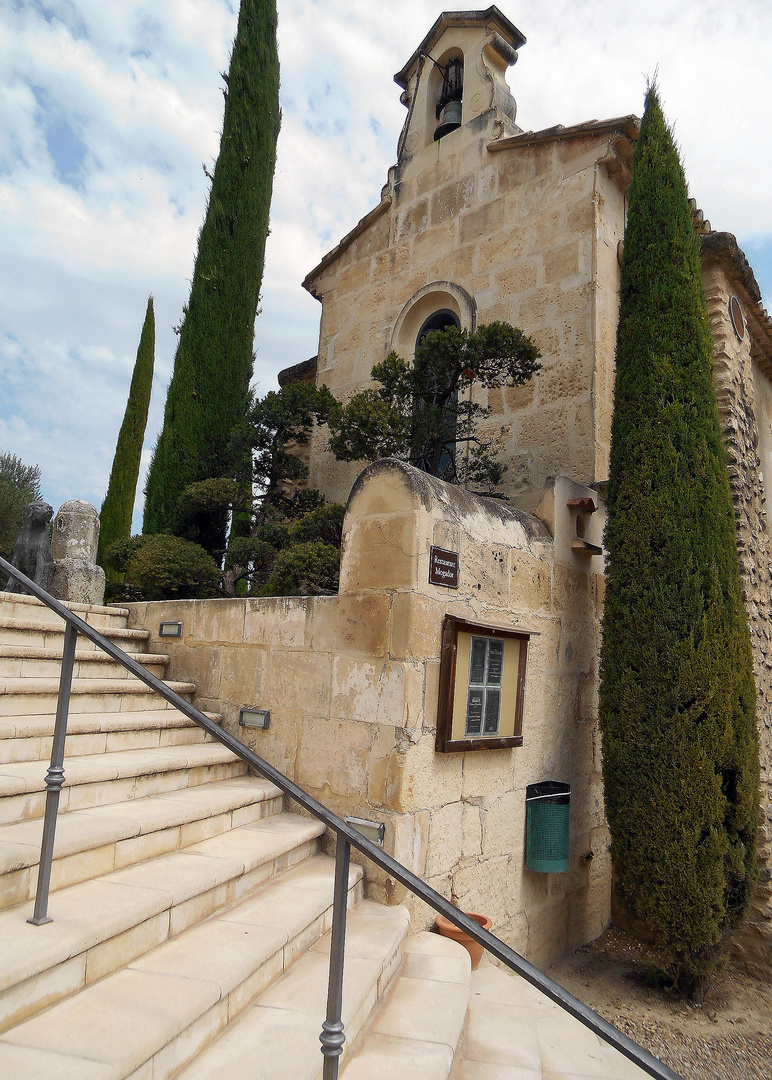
(450, 930)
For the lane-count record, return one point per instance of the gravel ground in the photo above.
(727, 1037)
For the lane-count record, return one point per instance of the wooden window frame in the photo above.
(445, 743)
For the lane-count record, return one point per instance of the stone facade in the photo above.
(488, 223)
(743, 366)
(351, 682)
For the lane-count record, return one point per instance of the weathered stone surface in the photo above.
(744, 395)
(76, 532)
(76, 576)
(78, 582)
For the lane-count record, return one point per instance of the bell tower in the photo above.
(456, 78)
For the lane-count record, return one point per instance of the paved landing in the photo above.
(515, 1033)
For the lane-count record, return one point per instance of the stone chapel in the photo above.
(482, 220)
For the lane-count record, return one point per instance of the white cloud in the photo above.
(131, 91)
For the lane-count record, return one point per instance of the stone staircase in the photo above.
(191, 912)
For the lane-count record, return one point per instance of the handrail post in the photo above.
(332, 1037)
(54, 778)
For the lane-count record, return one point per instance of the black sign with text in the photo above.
(443, 567)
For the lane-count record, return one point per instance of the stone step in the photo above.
(20, 696)
(17, 631)
(19, 606)
(106, 838)
(155, 1014)
(277, 1038)
(29, 738)
(33, 661)
(415, 1032)
(101, 925)
(98, 779)
(514, 1030)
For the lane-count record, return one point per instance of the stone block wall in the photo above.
(744, 391)
(352, 685)
(524, 230)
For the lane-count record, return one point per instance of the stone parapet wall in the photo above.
(739, 384)
(352, 685)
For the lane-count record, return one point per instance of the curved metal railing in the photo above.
(332, 1036)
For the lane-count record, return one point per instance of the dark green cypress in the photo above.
(677, 700)
(208, 393)
(118, 506)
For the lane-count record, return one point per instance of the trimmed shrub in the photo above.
(305, 570)
(169, 568)
(325, 523)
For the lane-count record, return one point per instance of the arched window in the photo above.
(438, 320)
(442, 319)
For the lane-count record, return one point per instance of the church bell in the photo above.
(449, 106)
(450, 119)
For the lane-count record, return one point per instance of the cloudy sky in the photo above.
(110, 108)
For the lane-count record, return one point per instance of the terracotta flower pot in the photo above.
(450, 930)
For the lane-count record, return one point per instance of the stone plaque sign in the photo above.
(443, 567)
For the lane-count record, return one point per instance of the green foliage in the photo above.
(169, 568)
(202, 505)
(118, 554)
(252, 552)
(19, 485)
(325, 523)
(208, 393)
(118, 506)
(677, 700)
(305, 569)
(277, 425)
(425, 411)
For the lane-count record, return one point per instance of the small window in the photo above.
(482, 683)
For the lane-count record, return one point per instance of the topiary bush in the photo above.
(169, 568)
(324, 523)
(306, 569)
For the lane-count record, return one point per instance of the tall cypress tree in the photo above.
(208, 393)
(118, 506)
(680, 755)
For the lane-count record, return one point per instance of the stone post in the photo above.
(77, 578)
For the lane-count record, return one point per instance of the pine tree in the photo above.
(118, 506)
(680, 754)
(423, 412)
(208, 393)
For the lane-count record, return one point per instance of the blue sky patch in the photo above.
(67, 149)
(759, 253)
(63, 12)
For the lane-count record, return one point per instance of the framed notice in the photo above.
(482, 681)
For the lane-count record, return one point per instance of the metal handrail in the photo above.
(332, 1037)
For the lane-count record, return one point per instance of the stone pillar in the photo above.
(77, 578)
